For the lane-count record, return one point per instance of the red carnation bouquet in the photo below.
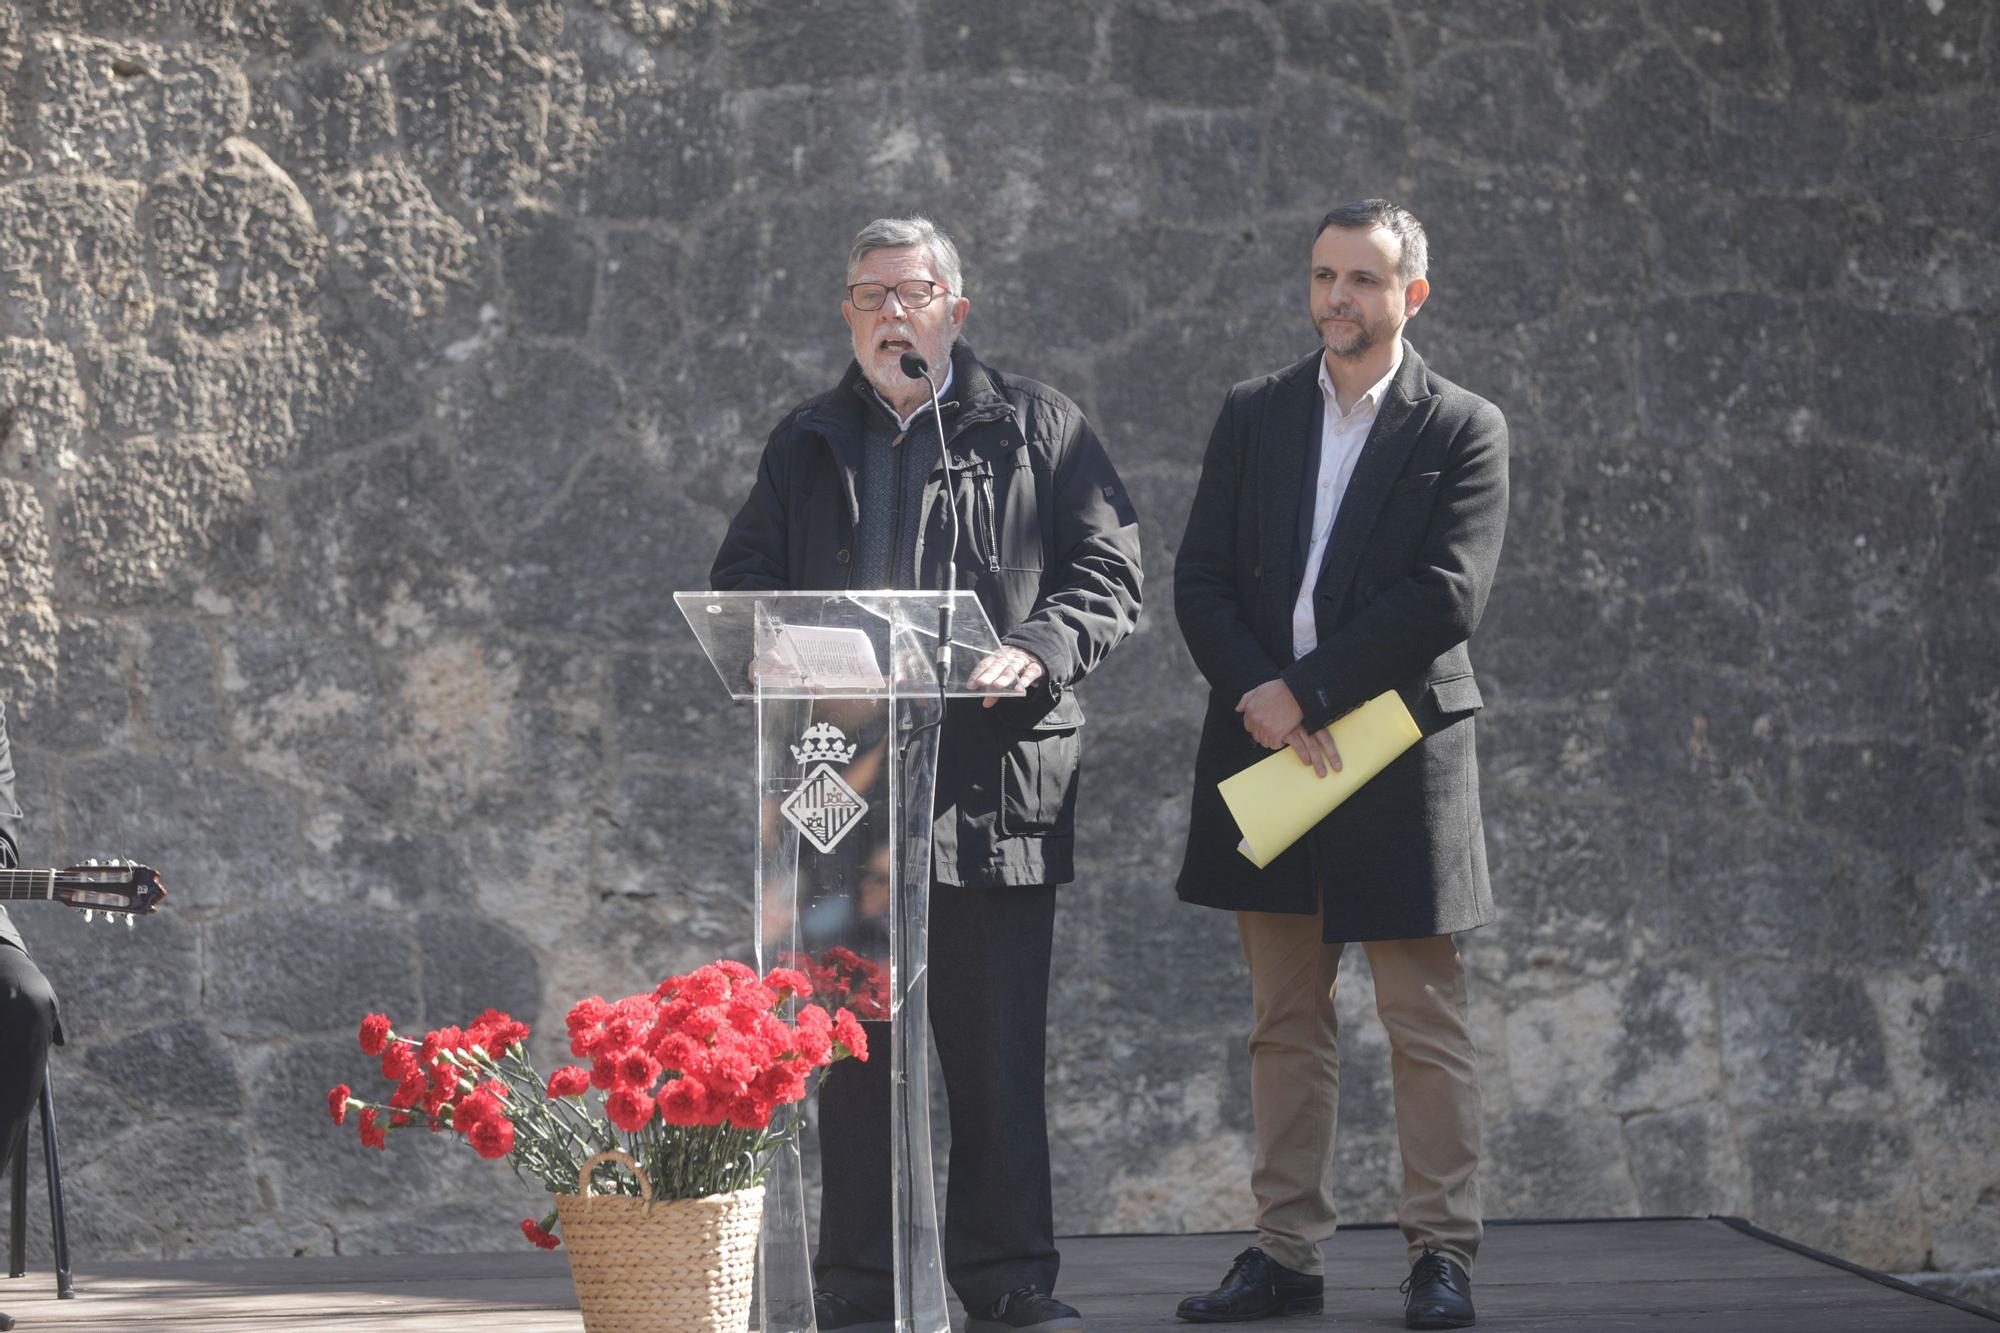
(690, 1078)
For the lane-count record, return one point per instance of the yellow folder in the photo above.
(1277, 799)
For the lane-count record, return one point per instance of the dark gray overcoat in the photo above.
(1404, 582)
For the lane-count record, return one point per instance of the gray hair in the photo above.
(902, 233)
(1368, 214)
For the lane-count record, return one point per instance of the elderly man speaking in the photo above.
(850, 493)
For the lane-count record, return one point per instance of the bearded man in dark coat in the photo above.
(1341, 544)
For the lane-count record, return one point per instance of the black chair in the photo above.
(17, 1239)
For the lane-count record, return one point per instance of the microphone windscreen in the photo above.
(915, 366)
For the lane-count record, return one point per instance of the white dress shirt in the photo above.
(1340, 439)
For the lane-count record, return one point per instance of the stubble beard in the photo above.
(1363, 338)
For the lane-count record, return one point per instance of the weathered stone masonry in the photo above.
(372, 372)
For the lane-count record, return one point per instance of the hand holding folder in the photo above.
(1278, 798)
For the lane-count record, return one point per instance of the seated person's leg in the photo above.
(27, 1021)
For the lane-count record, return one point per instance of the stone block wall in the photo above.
(371, 373)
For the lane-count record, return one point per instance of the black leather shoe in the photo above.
(1026, 1308)
(834, 1311)
(1439, 1293)
(1256, 1287)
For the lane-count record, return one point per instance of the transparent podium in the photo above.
(848, 706)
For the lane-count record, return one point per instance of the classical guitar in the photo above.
(115, 888)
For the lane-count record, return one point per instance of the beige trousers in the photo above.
(1420, 993)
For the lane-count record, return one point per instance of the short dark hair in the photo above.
(1400, 222)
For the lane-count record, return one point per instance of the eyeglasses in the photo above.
(913, 295)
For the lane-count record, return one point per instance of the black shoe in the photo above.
(1256, 1287)
(834, 1311)
(1439, 1293)
(1024, 1307)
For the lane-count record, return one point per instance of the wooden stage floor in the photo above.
(1668, 1276)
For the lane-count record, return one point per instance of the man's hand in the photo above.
(1315, 748)
(1270, 713)
(770, 668)
(1008, 668)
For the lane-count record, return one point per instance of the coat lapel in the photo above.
(1405, 410)
(1290, 433)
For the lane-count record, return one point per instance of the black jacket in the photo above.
(10, 827)
(1048, 541)
(1402, 588)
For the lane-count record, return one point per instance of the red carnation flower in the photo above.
(372, 1134)
(704, 986)
(703, 1022)
(569, 1081)
(754, 995)
(774, 1035)
(677, 1050)
(437, 1042)
(409, 1091)
(493, 1032)
(493, 1136)
(735, 971)
(751, 1111)
(813, 1038)
(478, 1107)
(872, 1000)
(684, 1102)
(336, 1103)
(538, 1237)
(374, 1034)
(847, 1031)
(775, 1087)
(622, 1030)
(490, 1018)
(397, 1060)
(444, 1086)
(728, 1070)
(586, 1024)
(636, 1069)
(629, 1109)
(788, 982)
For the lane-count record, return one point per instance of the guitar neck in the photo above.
(19, 885)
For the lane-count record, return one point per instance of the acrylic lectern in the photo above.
(849, 690)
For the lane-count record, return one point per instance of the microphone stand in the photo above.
(917, 368)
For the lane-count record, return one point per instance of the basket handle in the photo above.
(584, 1172)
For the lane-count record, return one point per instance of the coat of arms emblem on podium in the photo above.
(824, 808)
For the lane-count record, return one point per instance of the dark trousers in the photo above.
(989, 992)
(27, 1022)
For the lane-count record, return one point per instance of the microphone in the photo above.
(917, 368)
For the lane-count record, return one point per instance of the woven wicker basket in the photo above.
(682, 1266)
